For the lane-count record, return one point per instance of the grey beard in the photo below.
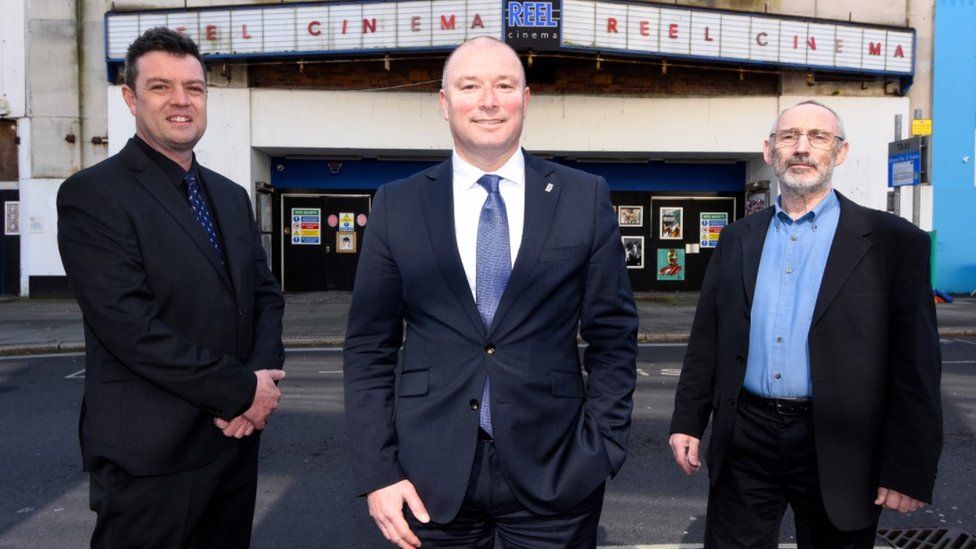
(815, 188)
(806, 189)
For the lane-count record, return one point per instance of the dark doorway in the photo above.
(10, 244)
(321, 236)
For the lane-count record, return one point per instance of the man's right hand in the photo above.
(266, 397)
(386, 508)
(685, 450)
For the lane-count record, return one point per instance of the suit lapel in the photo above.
(542, 205)
(753, 239)
(154, 181)
(438, 199)
(223, 205)
(846, 251)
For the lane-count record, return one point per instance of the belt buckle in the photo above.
(781, 408)
(789, 408)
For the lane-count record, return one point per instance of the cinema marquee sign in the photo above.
(315, 28)
(629, 28)
(731, 36)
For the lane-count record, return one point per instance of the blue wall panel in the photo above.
(953, 143)
(369, 174)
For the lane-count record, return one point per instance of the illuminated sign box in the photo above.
(628, 28)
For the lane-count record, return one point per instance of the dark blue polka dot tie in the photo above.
(200, 212)
(494, 265)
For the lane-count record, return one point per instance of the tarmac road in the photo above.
(305, 495)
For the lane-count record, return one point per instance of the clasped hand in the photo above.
(266, 397)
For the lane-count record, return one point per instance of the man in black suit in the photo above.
(182, 320)
(491, 263)
(815, 352)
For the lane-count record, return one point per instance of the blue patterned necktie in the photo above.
(494, 267)
(200, 212)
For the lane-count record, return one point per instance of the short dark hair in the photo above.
(157, 39)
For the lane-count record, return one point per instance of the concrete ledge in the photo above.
(305, 342)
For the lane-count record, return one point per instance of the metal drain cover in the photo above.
(927, 538)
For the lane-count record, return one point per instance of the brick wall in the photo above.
(556, 73)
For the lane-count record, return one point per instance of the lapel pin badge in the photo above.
(549, 187)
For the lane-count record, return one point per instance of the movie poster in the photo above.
(670, 264)
(671, 225)
(634, 250)
(630, 216)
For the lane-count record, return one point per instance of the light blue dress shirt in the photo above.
(792, 266)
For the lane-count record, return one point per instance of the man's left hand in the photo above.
(896, 501)
(239, 427)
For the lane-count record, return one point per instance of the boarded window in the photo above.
(8, 150)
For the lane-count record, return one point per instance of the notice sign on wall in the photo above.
(712, 224)
(306, 226)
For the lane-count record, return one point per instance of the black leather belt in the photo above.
(781, 406)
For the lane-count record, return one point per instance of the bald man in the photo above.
(491, 262)
(814, 351)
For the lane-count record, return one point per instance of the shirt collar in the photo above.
(466, 175)
(826, 205)
(173, 171)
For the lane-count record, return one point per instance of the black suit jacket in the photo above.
(557, 436)
(172, 336)
(874, 358)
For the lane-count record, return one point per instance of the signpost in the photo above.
(906, 158)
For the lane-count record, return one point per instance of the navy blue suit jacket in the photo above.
(558, 435)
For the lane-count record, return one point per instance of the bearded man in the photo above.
(820, 370)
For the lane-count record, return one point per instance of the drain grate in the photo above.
(927, 538)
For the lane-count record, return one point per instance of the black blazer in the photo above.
(557, 436)
(874, 358)
(171, 335)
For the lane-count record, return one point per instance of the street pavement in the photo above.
(305, 498)
(305, 495)
(31, 326)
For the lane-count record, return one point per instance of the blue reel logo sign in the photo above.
(533, 25)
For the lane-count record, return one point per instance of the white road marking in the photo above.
(330, 371)
(339, 349)
(80, 374)
(48, 355)
(692, 546)
(959, 361)
(645, 345)
(313, 349)
(642, 372)
(966, 341)
(671, 372)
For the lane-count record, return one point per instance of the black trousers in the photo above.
(771, 463)
(490, 508)
(209, 507)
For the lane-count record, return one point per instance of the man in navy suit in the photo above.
(483, 270)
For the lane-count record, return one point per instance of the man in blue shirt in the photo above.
(815, 353)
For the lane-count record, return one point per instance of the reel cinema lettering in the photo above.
(533, 25)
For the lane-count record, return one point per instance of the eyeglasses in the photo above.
(818, 139)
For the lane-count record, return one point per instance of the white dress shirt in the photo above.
(469, 197)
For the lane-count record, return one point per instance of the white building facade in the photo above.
(313, 106)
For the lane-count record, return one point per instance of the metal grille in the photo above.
(927, 538)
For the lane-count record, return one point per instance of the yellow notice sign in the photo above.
(921, 126)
